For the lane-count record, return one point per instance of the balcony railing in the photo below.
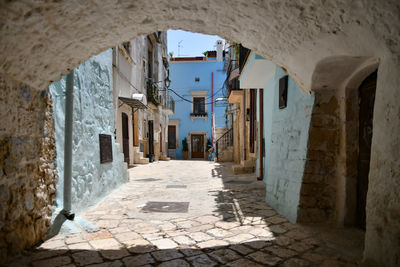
(199, 114)
(152, 93)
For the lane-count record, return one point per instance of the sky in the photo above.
(190, 44)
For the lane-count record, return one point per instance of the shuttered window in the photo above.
(199, 105)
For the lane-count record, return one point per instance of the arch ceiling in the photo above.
(42, 40)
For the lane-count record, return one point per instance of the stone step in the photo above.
(239, 169)
(142, 161)
(164, 158)
(138, 157)
(248, 163)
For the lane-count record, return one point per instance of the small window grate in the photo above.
(105, 148)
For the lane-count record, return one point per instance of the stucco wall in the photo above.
(287, 146)
(27, 166)
(93, 115)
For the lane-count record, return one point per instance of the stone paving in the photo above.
(227, 224)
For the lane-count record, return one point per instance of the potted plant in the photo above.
(185, 148)
(209, 146)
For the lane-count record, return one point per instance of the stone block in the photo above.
(87, 257)
(201, 260)
(114, 254)
(166, 255)
(175, 263)
(138, 260)
(224, 256)
(58, 261)
(264, 258)
(212, 244)
(164, 243)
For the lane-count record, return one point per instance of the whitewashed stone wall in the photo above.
(93, 115)
(286, 149)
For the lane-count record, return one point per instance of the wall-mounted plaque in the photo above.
(283, 88)
(105, 148)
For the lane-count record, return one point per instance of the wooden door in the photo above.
(367, 99)
(161, 144)
(125, 137)
(197, 145)
(151, 138)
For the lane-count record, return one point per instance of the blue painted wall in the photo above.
(286, 137)
(93, 115)
(182, 75)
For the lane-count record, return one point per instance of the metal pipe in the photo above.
(212, 108)
(244, 125)
(69, 108)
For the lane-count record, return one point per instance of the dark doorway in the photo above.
(197, 146)
(125, 137)
(151, 141)
(171, 137)
(161, 141)
(367, 99)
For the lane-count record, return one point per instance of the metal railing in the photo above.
(152, 93)
(224, 141)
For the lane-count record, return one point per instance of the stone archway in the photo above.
(329, 184)
(43, 40)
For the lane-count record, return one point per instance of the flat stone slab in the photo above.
(172, 207)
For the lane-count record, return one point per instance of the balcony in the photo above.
(152, 94)
(199, 114)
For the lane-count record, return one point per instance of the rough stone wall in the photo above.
(318, 190)
(286, 155)
(93, 115)
(27, 166)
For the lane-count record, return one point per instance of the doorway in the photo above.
(151, 141)
(366, 110)
(125, 137)
(197, 143)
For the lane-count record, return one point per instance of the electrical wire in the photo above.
(168, 89)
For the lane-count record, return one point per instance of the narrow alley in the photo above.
(194, 213)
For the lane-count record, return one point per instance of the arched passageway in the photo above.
(41, 41)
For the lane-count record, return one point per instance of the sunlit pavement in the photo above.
(217, 219)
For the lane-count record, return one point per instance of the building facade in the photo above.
(197, 85)
(141, 99)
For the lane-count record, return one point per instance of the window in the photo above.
(199, 106)
(171, 137)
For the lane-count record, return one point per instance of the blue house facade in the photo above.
(196, 84)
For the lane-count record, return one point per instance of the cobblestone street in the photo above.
(207, 217)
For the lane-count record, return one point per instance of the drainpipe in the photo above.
(212, 108)
(244, 126)
(69, 105)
